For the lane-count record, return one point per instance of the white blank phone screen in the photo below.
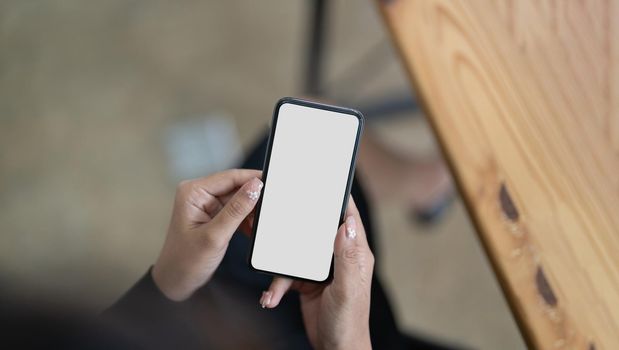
(304, 191)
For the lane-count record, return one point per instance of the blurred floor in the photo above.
(87, 92)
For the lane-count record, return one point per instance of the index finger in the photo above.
(226, 181)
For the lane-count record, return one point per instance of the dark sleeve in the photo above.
(150, 318)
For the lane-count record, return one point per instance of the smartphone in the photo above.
(308, 170)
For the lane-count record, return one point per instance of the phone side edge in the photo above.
(265, 171)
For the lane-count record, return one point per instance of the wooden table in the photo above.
(524, 98)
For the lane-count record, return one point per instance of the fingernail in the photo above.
(254, 189)
(265, 300)
(351, 227)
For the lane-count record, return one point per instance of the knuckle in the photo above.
(370, 266)
(182, 186)
(214, 242)
(186, 187)
(233, 173)
(371, 259)
(183, 189)
(353, 254)
(236, 209)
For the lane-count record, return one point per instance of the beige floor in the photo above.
(87, 92)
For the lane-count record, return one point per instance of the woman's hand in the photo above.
(336, 315)
(207, 211)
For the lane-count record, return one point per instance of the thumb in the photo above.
(354, 261)
(237, 209)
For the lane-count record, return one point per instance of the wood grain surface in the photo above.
(524, 98)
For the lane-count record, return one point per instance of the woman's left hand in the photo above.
(207, 212)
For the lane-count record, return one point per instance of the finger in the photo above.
(226, 181)
(224, 198)
(236, 210)
(277, 290)
(212, 205)
(354, 261)
(200, 205)
(351, 210)
(206, 196)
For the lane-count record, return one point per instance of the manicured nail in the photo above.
(254, 189)
(351, 227)
(265, 300)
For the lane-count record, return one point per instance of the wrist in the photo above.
(359, 342)
(362, 343)
(167, 286)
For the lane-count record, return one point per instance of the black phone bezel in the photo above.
(265, 170)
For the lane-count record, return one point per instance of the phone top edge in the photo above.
(320, 105)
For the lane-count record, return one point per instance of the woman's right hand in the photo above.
(336, 314)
